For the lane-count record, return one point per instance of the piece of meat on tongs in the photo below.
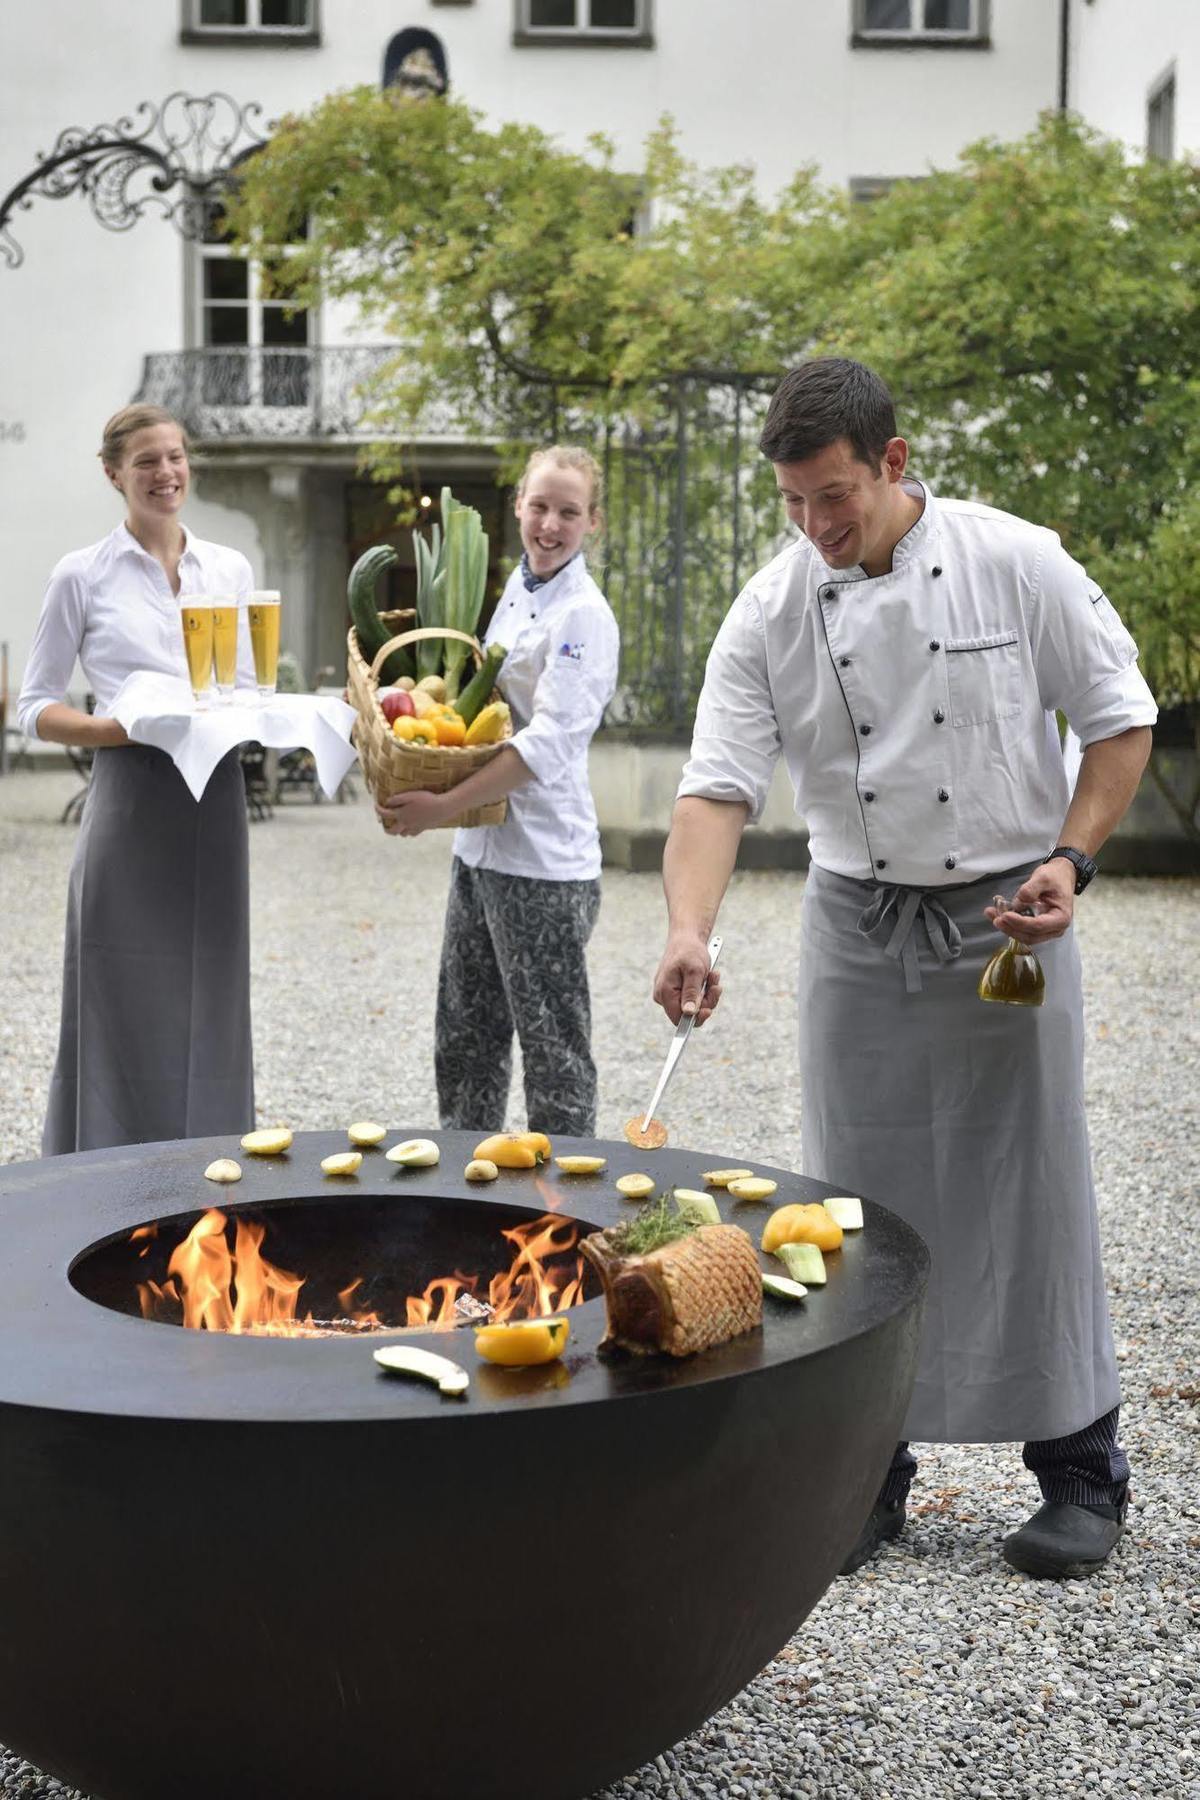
(697, 1291)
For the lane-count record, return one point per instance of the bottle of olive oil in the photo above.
(1014, 974)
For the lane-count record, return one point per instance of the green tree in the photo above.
(1034, 308)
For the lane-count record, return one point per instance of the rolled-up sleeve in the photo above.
(576, 684)
(736, 743)
(1086, 660)
(56, 642)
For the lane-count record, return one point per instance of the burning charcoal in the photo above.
(470, 1311)
(699, 1288)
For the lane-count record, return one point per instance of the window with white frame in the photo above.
(255, 348)
(920, 21)
(606, 21)
(1160, 119)
(228, 20)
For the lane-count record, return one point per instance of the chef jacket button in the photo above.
(935, 644)
(828, 593)
(864, 731)
(844, 661)
(939, 716)
(950, 862)
(943, 793)
(881, 862)
(937, 569)
(870, 794)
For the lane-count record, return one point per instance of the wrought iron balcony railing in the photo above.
(228, 394)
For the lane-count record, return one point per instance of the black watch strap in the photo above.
(1083, 864)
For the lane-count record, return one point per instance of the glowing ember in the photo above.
(210, 1287)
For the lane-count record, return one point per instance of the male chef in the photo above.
(906, 655)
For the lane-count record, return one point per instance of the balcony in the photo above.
(301, 395)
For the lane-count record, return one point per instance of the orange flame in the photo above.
(241, 1292)
(528, 1289)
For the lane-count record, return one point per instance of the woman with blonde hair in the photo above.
(524, 895)
(155, 1030)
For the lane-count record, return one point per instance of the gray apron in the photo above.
(155, 1035)
(966, 1119)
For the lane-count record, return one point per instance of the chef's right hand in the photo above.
(679, 984)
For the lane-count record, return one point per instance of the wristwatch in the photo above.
(1085, 868)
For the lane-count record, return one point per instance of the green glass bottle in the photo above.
(1013, 975)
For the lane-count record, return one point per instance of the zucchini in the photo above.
(475, 695)
(803, 1262)
(369, 628)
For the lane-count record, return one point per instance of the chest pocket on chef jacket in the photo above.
(984, 674)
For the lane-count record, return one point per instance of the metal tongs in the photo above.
(683, 1032)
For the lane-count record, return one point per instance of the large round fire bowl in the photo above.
(257, 1567)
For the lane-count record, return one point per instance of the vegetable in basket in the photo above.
(370, 630)
(451, 578)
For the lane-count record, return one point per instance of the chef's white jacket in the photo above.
(111, 607)
(558, 676)
(915, 710)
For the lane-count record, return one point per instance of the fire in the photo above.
(239, 1291)
(527, 1290)
(220, 1291)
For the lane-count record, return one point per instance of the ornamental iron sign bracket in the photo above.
(175, 158)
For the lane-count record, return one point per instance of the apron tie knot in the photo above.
(892, 914)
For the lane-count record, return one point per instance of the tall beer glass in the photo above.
(196, 617)
(263, 609)
(225, 641)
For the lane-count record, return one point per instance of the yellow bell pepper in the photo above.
(450, 728)
(414, 731)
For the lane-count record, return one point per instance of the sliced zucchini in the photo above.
(700, 1208)
(845, 1210)
(406, 1359)
(803, 1262)
(780, 1286)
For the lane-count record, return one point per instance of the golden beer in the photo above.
(225, 642)
(263, 611)
(196, 617)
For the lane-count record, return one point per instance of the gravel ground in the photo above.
(934, 1671)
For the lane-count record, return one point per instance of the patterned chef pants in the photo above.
(513, 957)
(1088, 1468)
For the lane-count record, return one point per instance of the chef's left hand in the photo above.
(408, 815)
(1051, 891)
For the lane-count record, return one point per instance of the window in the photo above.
(583, 21)
(237, 21)
(1160, 119)
(897, 23)
(255, 348)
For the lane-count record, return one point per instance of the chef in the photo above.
(906, 655)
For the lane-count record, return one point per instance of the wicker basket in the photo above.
(391, 766)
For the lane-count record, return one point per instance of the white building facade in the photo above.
(868, 90)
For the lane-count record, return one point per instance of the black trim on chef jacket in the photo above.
(827, 590)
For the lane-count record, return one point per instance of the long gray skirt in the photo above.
(155, 1035)
(966, 1119)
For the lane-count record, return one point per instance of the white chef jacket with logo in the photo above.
(915, 710)
(558, 676)
(111, 607)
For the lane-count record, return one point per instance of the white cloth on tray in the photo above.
(161, 710)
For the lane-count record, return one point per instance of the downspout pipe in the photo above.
(1064, 53)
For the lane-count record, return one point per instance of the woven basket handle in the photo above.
(423, 631)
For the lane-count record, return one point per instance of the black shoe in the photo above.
(885, 1522)
(1064, 1540)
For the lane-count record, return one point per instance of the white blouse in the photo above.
(915, 710)
(111, 608)
(558, 676)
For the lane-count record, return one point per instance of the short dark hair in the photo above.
(829, 398)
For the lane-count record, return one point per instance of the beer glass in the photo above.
(196, 617)
(262, 607)
(225, 642)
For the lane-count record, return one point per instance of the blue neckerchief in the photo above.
(532, 581)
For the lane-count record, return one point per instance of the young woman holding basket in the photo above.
(525, 894)
(155, 1030)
